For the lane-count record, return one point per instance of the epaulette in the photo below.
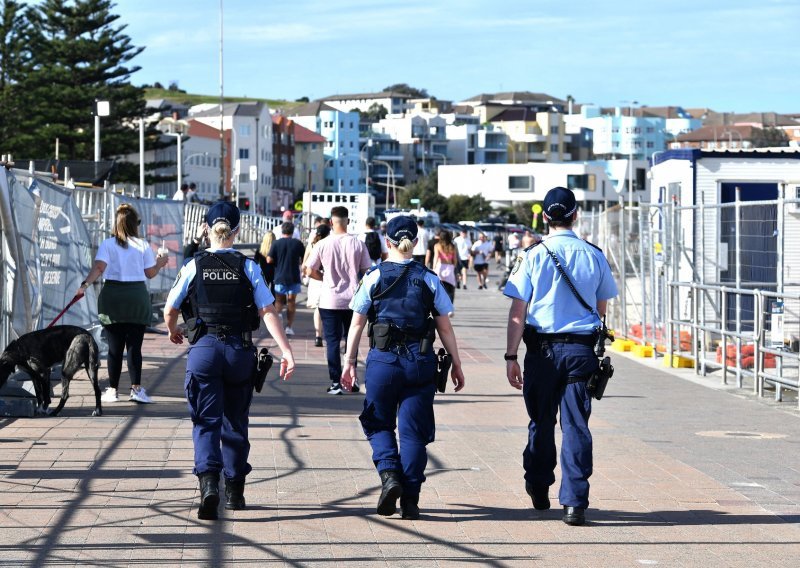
(533, 245)
(372, 269)
(595, 246)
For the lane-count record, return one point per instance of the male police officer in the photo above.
(559, 335)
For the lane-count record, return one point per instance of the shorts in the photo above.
(287, 289)
(480, 267)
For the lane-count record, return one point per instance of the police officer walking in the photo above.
(559, 334)
(221, 295)
(404, 302)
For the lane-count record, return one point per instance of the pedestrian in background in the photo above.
(429, 252)
(403, 295)
(375, 243)
(560, 334)
(464, 248)
(125, 262)
(338, 261)
(481, 253)
(267, 269)
(315, 286)
(286, 254)
(421, 246)
(498, 247)
(222, 294)
(198, 242)
(444, 262)
(286, 217)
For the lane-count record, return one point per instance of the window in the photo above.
(244, 130)
(650, 144)
(244, 153)
(554, 147)
(341, 124)
(585, 182)
(520, 183)
(554, 130)
(650, 129)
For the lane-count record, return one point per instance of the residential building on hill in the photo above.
(283, 165)
(393, 102)
(422, 139)
(719, 137)
(619, 135)
(534, 135)
(342, 166)
(309, 160)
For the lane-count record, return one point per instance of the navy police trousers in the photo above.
(219, 389)
(548, 366)
(400, 391)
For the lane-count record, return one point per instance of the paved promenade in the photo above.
(686, 474)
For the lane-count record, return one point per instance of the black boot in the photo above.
(234, 495)
(409, 507)
(209, 496)
(539, 497)
(391, 491)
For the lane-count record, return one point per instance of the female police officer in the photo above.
(399, 296)
(222, 294)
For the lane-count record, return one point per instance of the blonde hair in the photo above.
(126, 224)
(266, 243)
(220, 232)
(405, 246)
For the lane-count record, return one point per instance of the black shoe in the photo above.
(209, 496)
(409, 507)
(356, 387)
(391, 491)
(335, 388)
(234, 495)
(574, 516)
(539, 497)
(317, 342)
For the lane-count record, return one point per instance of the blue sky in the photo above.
(728, 55)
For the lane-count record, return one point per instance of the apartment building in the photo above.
(309, 160)
(472, 143)
(394, 103)
(248, 158)
(342, 166)
(621, 134)
(422, 139)
(283, 165)
(533, 135)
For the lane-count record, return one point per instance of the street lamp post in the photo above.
(390, 180)
(179, 136)
(630, 162)
(101, 108)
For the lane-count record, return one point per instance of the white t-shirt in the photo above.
(482, 250)
(422, 242)
(464, 245)
(513, 241)
(277, 231)
(384, 249)
(126, 264)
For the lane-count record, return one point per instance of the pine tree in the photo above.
(14, 69)
(81, 55)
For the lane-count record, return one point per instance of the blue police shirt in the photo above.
(552, 307)
(362, 300)
(180, 289)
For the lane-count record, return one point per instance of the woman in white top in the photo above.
(124, 261)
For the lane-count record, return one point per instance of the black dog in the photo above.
(36, 352)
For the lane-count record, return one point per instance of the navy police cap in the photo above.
(223, 211)
(559, 203)
(401, 227)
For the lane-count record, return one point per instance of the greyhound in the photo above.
(36, 353)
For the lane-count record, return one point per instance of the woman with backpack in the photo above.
(376, 245)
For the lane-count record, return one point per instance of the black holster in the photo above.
(195, 329)
(426, 343)
(529, 336)
(262, 367)
(443, 362)
(380, 335)
(596, 384)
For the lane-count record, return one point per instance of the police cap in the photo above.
(559, 203)
(223, 211)
(401, 227)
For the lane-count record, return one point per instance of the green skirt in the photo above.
(124, 302)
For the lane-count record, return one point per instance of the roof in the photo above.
(716, 133)
(202, 130)
(515, 114)
(303, 135)
(514, 97)
(249, 109)
(380, 95)
(693, 154)
(311, 109)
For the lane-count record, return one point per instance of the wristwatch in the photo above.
(84, 284)
(508, 357)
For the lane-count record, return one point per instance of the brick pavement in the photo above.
(670, 487)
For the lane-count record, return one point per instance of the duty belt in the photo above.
(582, 339)
(223, 332)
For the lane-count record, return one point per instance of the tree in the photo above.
(425, 189)
(375, 112)
(405, 89)
(15, 60)
(81, 55)
(302, 100)
(770, 137)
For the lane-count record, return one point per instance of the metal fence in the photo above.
(715, 283)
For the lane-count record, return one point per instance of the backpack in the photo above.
(373, 242)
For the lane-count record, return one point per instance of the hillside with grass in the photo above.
(192, 99)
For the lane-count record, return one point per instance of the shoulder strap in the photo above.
(563, 272)
(391, 286)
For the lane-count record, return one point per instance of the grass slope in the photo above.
(192, 99)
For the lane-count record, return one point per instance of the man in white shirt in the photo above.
(481, 252)
(463, 247)
(422, 243)
(180, 195)
(287, 217)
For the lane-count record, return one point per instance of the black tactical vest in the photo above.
(406, 304)
(221, 295)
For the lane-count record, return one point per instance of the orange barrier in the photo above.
(748, 358)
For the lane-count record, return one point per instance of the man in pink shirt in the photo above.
(342, 258)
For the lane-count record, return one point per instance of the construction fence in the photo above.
(712, 287)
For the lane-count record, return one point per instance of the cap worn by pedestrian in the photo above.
(559, 203)
(401, 227)
(223, 211)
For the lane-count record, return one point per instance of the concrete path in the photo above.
(686, 474)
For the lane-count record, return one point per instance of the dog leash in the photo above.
(71, 303)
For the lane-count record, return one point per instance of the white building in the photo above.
(476, 144)
(423, 142)
(248, 129)
(394, 103)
